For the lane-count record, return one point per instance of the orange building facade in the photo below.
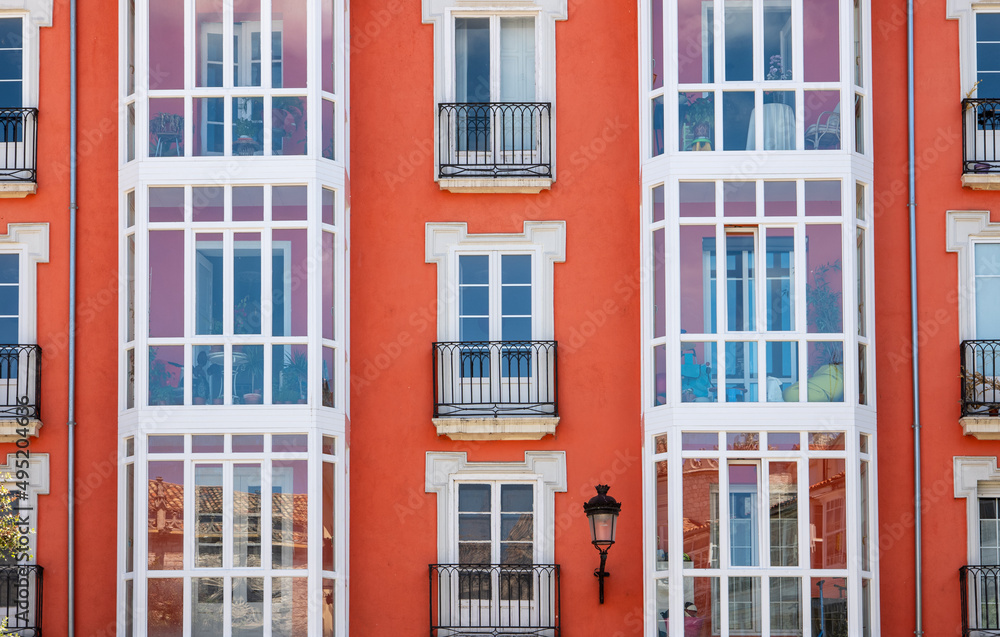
(376, 292)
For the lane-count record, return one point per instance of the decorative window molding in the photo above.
(965, 228)
(973, 475)
(546, 468)
(38, 13)
(545, 240)
(31, 241)
(965, 12)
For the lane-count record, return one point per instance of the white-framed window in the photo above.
(495, 525)
(12, 79)
(250, 524)
(28, 477)
(988, 53)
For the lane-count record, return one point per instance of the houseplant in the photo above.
(293, 374)
(699, 121)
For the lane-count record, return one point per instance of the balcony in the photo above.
(495, 389)
(495, 147)
(20, 383)
(980, 127)
(18, 143)
(494, 599)
(980, 587)
(21, 599)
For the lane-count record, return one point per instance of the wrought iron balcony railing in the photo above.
(980, 588)
(18, 143)
(980, 378)
(495, 378)
(495, 140)
(501, 600)
(21, 599)
(980, 133)
(20, 380)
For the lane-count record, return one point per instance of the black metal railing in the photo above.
(21, 599)
(495, 378)
(980, 133)
(494, 599)
(20, 381)
(18, 143)
(981, 378)
(980, 588)
(495, 140)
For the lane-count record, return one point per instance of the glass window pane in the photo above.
(247, 283)
(473, 497)
(744, 545)
(821, 40)
(659, 283)
(697, 199)
(207, 443)
(860, 283)
(165, 539)
(129, 124)
(289, 282)
(208, 204)
(206, 375)
(166, 365)
(741, 372)
(779, 441)
(129, 516)
(290, 22)
(474, 527)
(703, 614)
(289, 603)
(695, 56)
(786, 606)
(517, 59)
(739, 198)
(658, 69)
(515, 268)
(248, 606)
(130, 379)
(517, 497)
(129, 289)
(826, 371)
(289, 123)
(859, 124)
(692, 441)
(289, 203)
(829, 601)
(166, 204)
(779, 199)
(246, 515)
(701, 507)
(329, 616)
(248, 203)
(660, 375)
(746, 441)
(165, 604)
(822, 118)
(208, 516)
(779, 121)
(778, 40)
(662, 518)
(744, 605)
(779, 290)
(328, 129)
(248, 125)
(289, 443)
(166, 44)
(784, 511)
(859, 62)
(739, 41)
(472, 60)
(248, 374)
(165, 444)
(697, 121)
(663, 606)
(289, 501)
(824, 280)
(246, 44)
(209, 126)
(741, 311)
(782, 371)
(698, 373)
(209, 280)
(329, 515)
(823, 198)
(327, 371)
(697, 279)
(248, 443)
(328, 43)
(866, 608)
(864, 517)
(208, 46)
(658, 126)
(328, 207)
(828, 513)
(737, 120)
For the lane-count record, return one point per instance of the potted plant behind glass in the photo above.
(254, 364)
(699, 120)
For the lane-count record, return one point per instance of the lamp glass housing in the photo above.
(602, 528)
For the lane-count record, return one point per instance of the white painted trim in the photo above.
(545, 239)
(38, 484)
(970, 471)
(963, 229)
(964, 11)
(31, 240)
(548, 468)
(38, 14)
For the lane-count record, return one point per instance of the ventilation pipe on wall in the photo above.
(912, 205)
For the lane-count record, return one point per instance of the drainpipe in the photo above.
(71, 381)
(917, 496)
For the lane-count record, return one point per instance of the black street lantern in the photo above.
(602, 510)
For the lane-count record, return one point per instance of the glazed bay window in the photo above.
(746, 72)
(751, 557)
(230, 274)
(228, 535)
(760, 292)
(248, 94)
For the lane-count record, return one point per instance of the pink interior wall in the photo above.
(166, 44)
(166, 283)
(820, 38)
(299, 278)
(689, 53)
(693, 318)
